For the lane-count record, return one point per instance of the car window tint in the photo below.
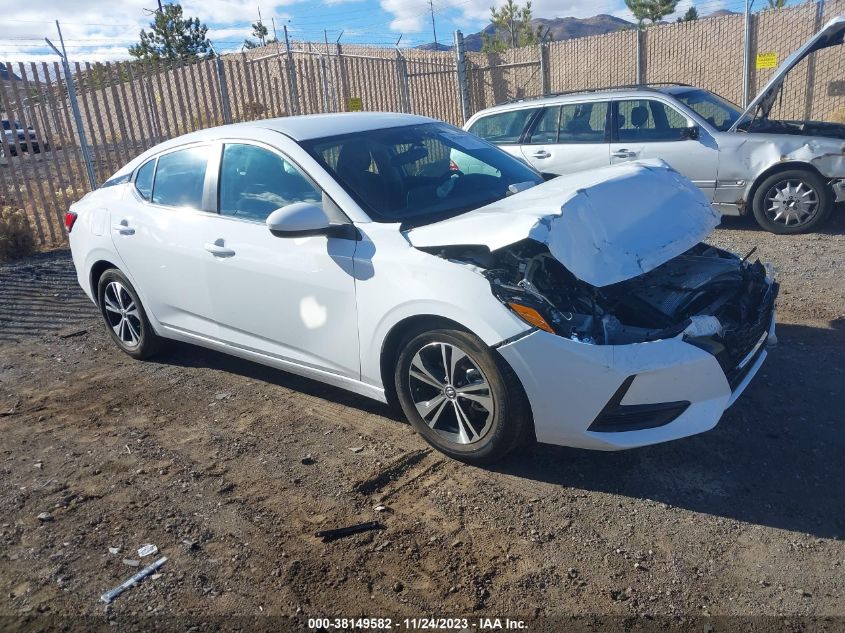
(144, 179)
(418, 172)
(179, 178)
(503, 127)
(646, 121)
(583, 123)
(254, 182)
(546, 129)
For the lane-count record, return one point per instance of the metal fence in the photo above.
(127, 107)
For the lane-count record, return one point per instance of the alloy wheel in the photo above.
(451, 393)
(122, 314)
(791, 203)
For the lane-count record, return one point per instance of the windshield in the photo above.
(418, 174)
(718, 112)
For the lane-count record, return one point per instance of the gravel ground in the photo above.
(230, 468)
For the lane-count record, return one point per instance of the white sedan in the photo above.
(495, 308)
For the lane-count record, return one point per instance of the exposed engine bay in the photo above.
(799, 128)
(717, 300)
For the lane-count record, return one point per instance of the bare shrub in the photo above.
(16, 239)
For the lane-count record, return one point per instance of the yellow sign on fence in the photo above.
(354, 104)
(767, 60)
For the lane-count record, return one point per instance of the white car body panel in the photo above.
(324, 307)
(582, 220)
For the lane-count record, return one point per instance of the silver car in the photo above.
(788, 174)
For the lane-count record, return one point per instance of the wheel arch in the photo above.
(771, 170)
(98, 268)
(390, 347)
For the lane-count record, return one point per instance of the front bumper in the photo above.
(569, 385)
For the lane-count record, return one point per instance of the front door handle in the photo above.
(218, 248)
(123, 228)
(541, 153)
(624, 153)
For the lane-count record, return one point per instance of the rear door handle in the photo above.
(123, 228)
(218, 249)
(541, 153)
(624, 153)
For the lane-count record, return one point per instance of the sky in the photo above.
(97, 30)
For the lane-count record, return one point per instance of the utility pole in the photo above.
(261, 25)
(74, 106)
(433, 29)
(291, 74)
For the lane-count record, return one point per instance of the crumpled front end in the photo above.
(649, 359)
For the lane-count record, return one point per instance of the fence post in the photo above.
(746, 55)
(543, 49)
(461, 71)
(294, 92)
(811, 65)
(224, 89)
(640, 52)
(402, 78)
(74, 106)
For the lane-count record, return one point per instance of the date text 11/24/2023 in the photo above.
(418, 624)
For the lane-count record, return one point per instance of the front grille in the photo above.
(740, 342)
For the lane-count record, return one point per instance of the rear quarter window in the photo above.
(144, 179)
(503, 127)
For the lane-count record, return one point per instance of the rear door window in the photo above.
(503, 127)
(180, 177)
(584, 123)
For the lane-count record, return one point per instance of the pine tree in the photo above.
(172, 37)
(511, 28)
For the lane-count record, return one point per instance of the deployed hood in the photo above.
(830, 35)
(605, 226)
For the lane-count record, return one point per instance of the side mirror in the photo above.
(691, 133)
(303, 219)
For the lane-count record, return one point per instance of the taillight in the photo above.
(70, 220)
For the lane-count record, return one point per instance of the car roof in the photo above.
(298, 128)
(311, 126)
(594, 94)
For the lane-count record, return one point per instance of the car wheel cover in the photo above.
(791, 203)
(121, 313)
(451, 393)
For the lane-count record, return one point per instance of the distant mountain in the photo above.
(562, 29)
(7, 74)
(431, 46)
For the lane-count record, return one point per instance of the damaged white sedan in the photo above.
(493, 307)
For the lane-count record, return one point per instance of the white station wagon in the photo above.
(494, 307)
(787, 173)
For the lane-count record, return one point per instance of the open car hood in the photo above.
(604, 226)
(831, 34)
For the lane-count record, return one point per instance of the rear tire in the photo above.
(792, 201)
(124, 315)
(461, 396)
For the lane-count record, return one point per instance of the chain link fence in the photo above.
(128, 107)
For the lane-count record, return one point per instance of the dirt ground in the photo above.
(230, 468)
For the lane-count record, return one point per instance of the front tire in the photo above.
(461, 396)
(124, 315)
(791, 201)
